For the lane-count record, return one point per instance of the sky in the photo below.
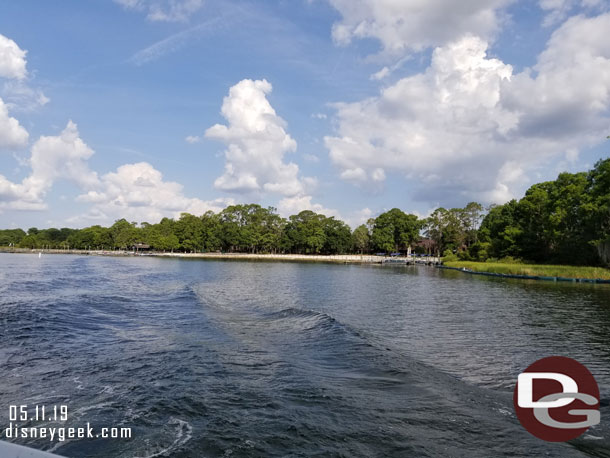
(142, 109)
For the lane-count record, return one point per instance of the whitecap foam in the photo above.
(82, 410)
(79, 383)
(58, 445)
(184, 434)
(107, 389)
(593, 438)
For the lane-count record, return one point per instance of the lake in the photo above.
(272, 359)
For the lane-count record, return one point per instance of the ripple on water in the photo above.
(260, 359)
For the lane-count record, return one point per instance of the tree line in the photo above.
(247, 228)
(563, 221)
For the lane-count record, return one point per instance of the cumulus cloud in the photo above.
(257, 141)
(414, 25)
(16, 92)
(164, 10)
(62, 156)
(568, 93)
(52, 158)
(139, 192)
(134, 191)
(256, 144)
(12, 134)
(12, 66)
(12, 59)
(469, 128)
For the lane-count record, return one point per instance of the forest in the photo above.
(565, 221)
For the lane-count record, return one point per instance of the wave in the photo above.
(320, 322)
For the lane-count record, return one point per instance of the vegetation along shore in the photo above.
(561, 222)
(533, 270)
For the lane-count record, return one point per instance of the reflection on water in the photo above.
(209, 358)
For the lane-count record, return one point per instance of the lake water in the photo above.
(240, 359)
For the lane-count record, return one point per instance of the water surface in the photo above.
(212, 358)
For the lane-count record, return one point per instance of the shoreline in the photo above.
(527, 277)
(338, 258)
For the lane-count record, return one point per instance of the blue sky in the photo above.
(146, 108)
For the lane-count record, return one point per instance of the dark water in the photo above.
(239, 359)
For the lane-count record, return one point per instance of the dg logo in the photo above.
(557, 399)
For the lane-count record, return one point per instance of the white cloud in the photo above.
(294, 205)
(460, 129)
(53, 157)
(256, 143)
(164, 10)
(63, 156)
(138, 192)
(12, 134)
(414, 25)
(192, 139)
(20, 96)
(558, 10)
(418, 122)
(570, 92)
(359, 217)
(12, 59)
(381, 74)
(16, 92)
(387, 71)
(311, 158)
(134, 191)
(174, 42)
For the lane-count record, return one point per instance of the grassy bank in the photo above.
(541, 270)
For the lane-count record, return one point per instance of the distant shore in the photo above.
(342, 258)
(533, 271)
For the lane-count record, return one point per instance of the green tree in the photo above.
(597, 210)
(305, 232)
(472, 215)
(211, 231)
(11, 237)
(124, 234)
(337, 236)
(395, 230)
(361, 239)
(189, 231)
(434, 228)
(30, 241)
(500, 231)
(533, 212)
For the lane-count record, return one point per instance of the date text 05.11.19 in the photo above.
(38, 413)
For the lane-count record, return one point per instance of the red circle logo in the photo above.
(557, 399)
